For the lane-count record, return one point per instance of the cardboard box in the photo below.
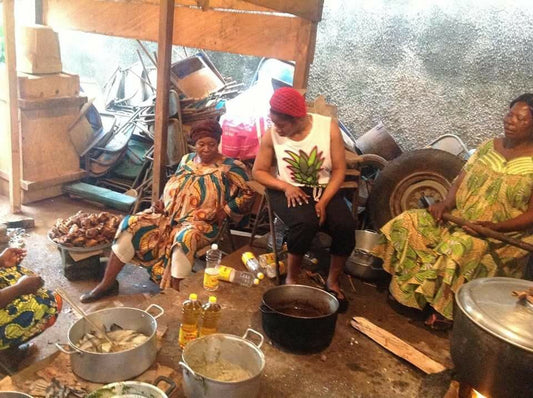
(38, 50)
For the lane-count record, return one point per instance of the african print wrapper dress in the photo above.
(28, 315)
(191, 198)
(429, 262)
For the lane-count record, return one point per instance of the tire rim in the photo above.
(410, 190)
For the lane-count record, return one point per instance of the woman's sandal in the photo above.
(343, 302)
(90, 297)
(438, 322)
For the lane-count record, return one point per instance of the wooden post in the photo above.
(305, 53)
(12, 122)
(164, 48)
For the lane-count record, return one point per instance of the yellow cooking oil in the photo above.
(210, 317)
(190, 315)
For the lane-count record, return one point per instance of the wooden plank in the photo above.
(238, 5)
(397, 346)
(56, 180)
(164, 49)
(233, 32)
(12, 123)
(308, 9)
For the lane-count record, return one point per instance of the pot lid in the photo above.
(490, 304)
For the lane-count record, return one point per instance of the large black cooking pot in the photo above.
(492, 338)
(299, 318)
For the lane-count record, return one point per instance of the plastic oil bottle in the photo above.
(190, 315)
(252, 264)
(210, 317)
(212, 257)
(229, 274)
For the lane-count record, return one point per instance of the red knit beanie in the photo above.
(288, 101)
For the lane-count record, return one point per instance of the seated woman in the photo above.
(206, 188)
(26, 309)
(429, 260)
(309, 153)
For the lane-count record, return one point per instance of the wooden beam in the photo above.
(308, 9)
(12, 123)
(256, 34)
(164, 48)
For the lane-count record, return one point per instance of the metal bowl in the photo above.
(364, 265)
(14, 394)
(366, 239)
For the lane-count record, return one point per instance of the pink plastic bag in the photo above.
(241, 139)
(244, 123)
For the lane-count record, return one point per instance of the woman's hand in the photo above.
(158, 207)
(295, 196)
(11, 257)
(29, 284)
(320, 209)
(438, 209)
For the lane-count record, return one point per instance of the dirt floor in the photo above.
(352, 366)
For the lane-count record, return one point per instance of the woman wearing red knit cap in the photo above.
(309, 153)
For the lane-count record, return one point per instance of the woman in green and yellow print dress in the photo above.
(26, 309)
(206, 188)
(429, 259)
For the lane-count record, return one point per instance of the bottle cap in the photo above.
(247, 256)
(193, 296)
(260, 276)
(212, 299)
(214, 246)
(256, 282)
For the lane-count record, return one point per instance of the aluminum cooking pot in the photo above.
(135, 389)
(13, 394)
(114, 366)
(215, 347)
(492, 338)
(299, 318)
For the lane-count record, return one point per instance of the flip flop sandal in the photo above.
(343, 302)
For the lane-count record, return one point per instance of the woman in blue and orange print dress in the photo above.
(206, 188)
(429, 260)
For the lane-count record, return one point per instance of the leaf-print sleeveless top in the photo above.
(306, 162)
(494, 189)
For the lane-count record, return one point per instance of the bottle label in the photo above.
(187, 333)
(211, 278)
(224, 272)
(206, 331)
(268, 263)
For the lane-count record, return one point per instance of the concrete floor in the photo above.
(352, 366)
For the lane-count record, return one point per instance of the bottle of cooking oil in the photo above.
(190, 314)
(210, 316)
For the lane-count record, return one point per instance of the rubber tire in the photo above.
(427, 166)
